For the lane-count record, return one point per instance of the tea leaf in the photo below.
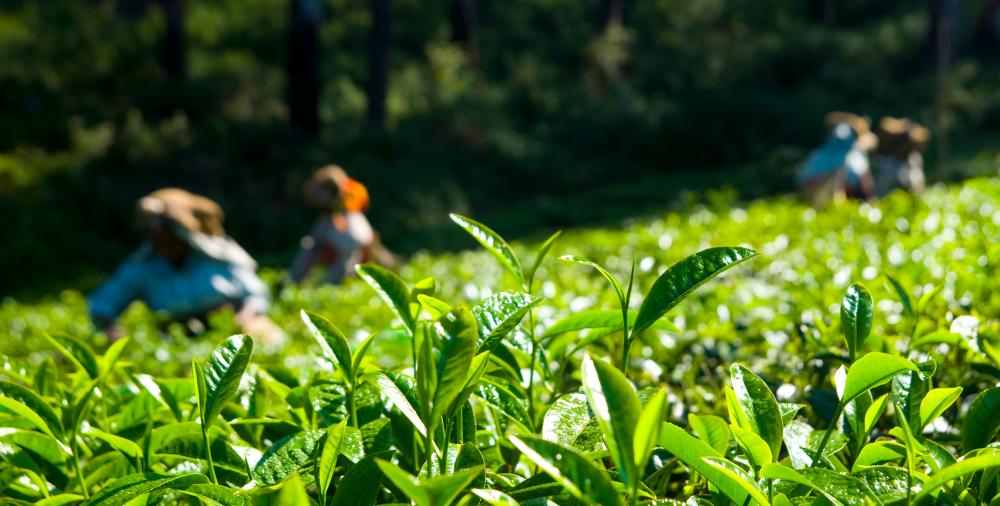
(331, 340)
(981, 421)
(539, 257)
(223, 373)
(36, 404)
(684, 277)
(759, 405)
(615, 405)
(458, 347)
(327, 462)
(286, 456)
(856, 312)
(391, 289)
(361, 483)
(712, 430)
(437, 491)
(498, 315)
(578, 475)
(936, 402)
(872, 370)
(693, 452)
(125, 489)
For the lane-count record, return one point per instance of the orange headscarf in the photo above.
(330, 184)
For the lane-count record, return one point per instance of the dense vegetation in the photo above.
(845, 356)
(552, 115)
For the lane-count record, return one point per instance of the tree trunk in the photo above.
(942, 33)
(303, 67)
(378, 62)
(610, 14)
(174, 58)
(462, 14)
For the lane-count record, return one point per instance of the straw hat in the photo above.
(900, 136)
(196, 220)
(331, 188)
(191, 212)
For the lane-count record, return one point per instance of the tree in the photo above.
(174, 57)
(462, 14)
(942, 33)
(303, 67)
(378, 61)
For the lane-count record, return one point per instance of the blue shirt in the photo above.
(201, 283)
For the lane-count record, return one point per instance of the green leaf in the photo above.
(936, 402)
(856, 313)
(981, 421)
(26, 413)
(127, 447)
(327, 463)
(434, 307)
(495, 497)
(755, 448)
(438, 491)
(712, 430)
(908, 390)
(616, 406)
(60, 500)
(874, 412)
(956, 471)
(331, 340)
(47, 447)
(888, 483)
(392, 391)
(511, 406)
(212, 494)
(599, 319)
(846, 488)
(359, 354)
(78, 352)
(692, 452)
(903, 297)
(789, 410)
(539, 257)
(458, 347)
(570, 422)
(775, 471)
(124, 489)
(286, 456)
(647, 429)
(619, 291)
(872, 370)
(578, 475)
(361, 483)
(759, 405)
(223, 372)
(737, 477)
(879, 452)
(112, 354)
(391, 289)
(498, 315)
(292, 491)
(36, 404)
(684, 277)
(493, 243)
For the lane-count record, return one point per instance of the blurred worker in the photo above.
(187, 267)
(342, 236)
(898, 162)
(839, 168)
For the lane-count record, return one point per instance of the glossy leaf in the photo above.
(872, 370)
(615, 285)
(127, 447)
(578, 475)
(982, 420)
(693, 452)
(36, 404)
(616, 407)
(493, 243)
(856, 313)
(498, 315)
(599, 319)
(956, 471)
(754, 447)
(78, 352)
(759, 405)
(458, 347)
(775, 471)
(711, 429)
(543, 250)
(124, 489)
(331, 340)
(434, 307)
(399, 400)
(361, 483)
(495, 497)
(212, 494)
(738, 477)
(326, 464)
(26, 414)
(391, 289)
(647, 429)
(46, 447)
(223, 373)
(903, 296)
(286, 456)
(936, 402)
(684, 277)
(437, 491)
(875, 412)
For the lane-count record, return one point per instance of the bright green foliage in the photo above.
(458, 381)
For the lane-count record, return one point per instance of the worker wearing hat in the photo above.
(898, 162)
(342, 236)
(186, 267)
(840, 167)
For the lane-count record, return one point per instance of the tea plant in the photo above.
(517, 396)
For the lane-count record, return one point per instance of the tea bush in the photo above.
(764, 353)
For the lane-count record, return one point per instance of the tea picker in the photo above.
(186, 267)
(898, 161)
(840, 167)
(342, 236)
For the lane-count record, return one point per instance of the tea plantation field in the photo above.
(758, 353)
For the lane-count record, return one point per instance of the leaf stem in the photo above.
(208, 452)
(531, 381)
(79, 470)
(351, 405)
(826, 437)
